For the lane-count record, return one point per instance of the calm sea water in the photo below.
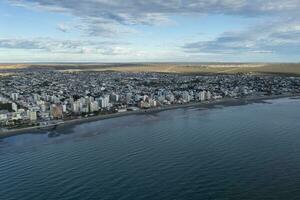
(239, 152)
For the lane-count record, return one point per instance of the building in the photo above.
(128, 97)
(14, 96)
(3, 115)
(42, 105)
(186, 97)
(56, 111)
(114, 97)
(152, 103)
(202, 96)
(16, 116)
(76, 107)
(208, 95)
(94, 106)
(64, 108)
(32, 116)
(170, 98)
(143, 104)
(14, 107)
(104, 101)
(55, 99)
(36, 97)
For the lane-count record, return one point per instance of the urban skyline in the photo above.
(43, 98)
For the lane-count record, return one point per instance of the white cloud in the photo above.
(63, 27)
(280, 36)
(63, 46)
(155, 12)
(115, 18)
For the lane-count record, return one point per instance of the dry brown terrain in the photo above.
(197, 68)
(12, 66)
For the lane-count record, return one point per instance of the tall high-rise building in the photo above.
(128, 97)
(202, 96)
(14, 96)
(104, 101)
(32, 116)
(94, 106)
(186, 97)
(208, 95)
(76, 106)
(56, 111)
(14, 107)
(114, 97)
(64, 108)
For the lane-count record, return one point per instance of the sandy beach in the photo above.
(207, 105)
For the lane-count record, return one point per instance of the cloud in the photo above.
(21, 44)
(64, 46)
(63, 27)
(128, 11)
(282, 37)
(121, 13)
(115, 18)
(96, 27)
(99, 18)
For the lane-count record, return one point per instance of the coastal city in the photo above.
(45, 97)
(149, 100)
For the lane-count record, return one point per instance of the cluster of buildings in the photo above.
(34, 97)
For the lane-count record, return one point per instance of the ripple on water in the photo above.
(241, 152)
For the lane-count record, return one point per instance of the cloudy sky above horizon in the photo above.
(149, 30)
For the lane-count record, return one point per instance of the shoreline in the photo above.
(208, 105)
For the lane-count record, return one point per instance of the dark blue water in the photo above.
(240, 152)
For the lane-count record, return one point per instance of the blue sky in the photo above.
(149, 31)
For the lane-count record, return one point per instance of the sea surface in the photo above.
(238, 152)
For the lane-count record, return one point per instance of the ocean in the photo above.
(236, 152)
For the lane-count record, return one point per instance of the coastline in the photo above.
(209, 104)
